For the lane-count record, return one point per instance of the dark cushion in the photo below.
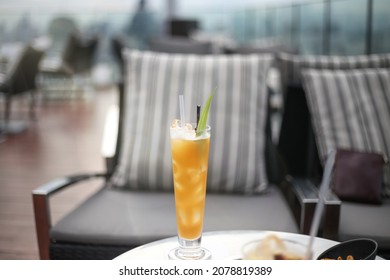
(358, 176)
(115, 216)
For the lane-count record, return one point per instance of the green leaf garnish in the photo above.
(204, 115)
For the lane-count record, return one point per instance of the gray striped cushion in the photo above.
(350, 109)
(290, 65)
(237, 118)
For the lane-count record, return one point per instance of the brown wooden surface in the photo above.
(65, 139)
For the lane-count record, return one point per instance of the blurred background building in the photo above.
(345, 27)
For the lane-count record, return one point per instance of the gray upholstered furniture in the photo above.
(172, 44)
(297, 148)
(339, 102)
(246, 188)
(262, 46)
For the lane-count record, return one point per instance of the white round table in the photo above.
(222, 245)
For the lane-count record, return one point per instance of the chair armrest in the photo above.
(302, 197)
(331, 216)
(110, 137)
(61, 183)
(41, 205)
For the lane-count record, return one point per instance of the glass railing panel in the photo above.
(311, 28)
(283, 25)
(260, 24)
(222, 25)
(239, 32)
(270, 22)
(381, 26)
(250, 24)
(348, 27)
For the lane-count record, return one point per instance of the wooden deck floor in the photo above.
(65, 139)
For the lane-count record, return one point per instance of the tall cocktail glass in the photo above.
(190, 154)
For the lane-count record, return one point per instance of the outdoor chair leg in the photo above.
(7, 111)
(43, 224)
(32, 113)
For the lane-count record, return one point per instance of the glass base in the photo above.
(181, 253)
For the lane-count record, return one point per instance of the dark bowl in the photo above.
(360, 249)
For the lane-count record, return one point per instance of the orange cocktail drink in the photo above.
(190, 161)
(190, 154)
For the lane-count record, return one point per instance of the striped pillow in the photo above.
(237, 118)
(290, 65)
(350, 109)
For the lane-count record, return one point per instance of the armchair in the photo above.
(70, 70)
(339, 102)
(296, 141)
(18, 80)
(135, 204)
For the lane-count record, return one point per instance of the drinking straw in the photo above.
(321, 200)
(197, 116)
(181, 105)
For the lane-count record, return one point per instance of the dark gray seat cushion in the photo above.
(132, 218)
(365, 220)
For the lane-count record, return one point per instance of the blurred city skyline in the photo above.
(115, 5)
(301, 27)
